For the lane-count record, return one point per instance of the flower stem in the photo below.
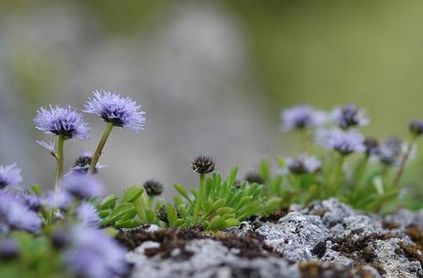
(199, 201)
(60, 161)
(100, 147)
(336, 176)
(403, 163)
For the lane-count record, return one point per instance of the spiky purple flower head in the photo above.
(82, 186)
(14, 215)
(88, 215)
(303, 164)
(115, 109)
(372, 146)
(58, 200)
(9, 175)
(416, 127)
(301, 116)
(390, 151)
(64, 121)
(82, 163)
(93, 254)
(350, 116)
(344, 142)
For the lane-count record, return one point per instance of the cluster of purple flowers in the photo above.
(94, 254)
(16, 215)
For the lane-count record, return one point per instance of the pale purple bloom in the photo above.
(82, 186)
(16, 215)
(88, 215)
(9, 249)
(63, 121)
(344, 142)
(301, 116)
(93, 254)
(115, 109)
(350, 116)
(59, 200)
(82, 163)
(303, 164)
(390, 151)
(416, 127)
(9, 175)
(372, 146)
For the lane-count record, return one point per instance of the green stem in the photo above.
(100, 147)
(199, 201)
(361, 173)
(336, 176)
(60, 144)
(403, 163)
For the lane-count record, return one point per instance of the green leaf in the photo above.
(128, 224)
(224, 210)
(181, 190)
(171, 215)
(132, 193)
(108, 202)
(231, 222)
(36, 189)
(104, 213)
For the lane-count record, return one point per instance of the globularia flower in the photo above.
(64, 121)
(82, 163)
(350, 116)
(9, 175)
(301, 116)
(88, 215)
(115, 109)
(416, 127)
(59, 200)
(9, 249)
(203, 164)
(303, 164)
(93, 254)
(390, 151)
(371, 145)
(344, 142)
(14, 215)
(82, 186)
(153, 188)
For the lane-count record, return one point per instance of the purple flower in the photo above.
(344, 142)
(87, 214)
(64, 121)
(416, 127)
(9, 175)
(371, 145)
(15, 215)
(115, 109)
(82, 163)
(93, 254)
(59, 200)
(390, 151)
(301, 116)
(82, 186)
(303, 164)
(350, 116)
(9, 249)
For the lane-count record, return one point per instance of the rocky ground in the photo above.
(325, 239)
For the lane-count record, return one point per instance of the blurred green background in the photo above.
(211, 75)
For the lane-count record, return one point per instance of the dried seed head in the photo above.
(416, 127)
(371, 145)
(203, 165)
(153, 188)
(254, 177)
(162, 214)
